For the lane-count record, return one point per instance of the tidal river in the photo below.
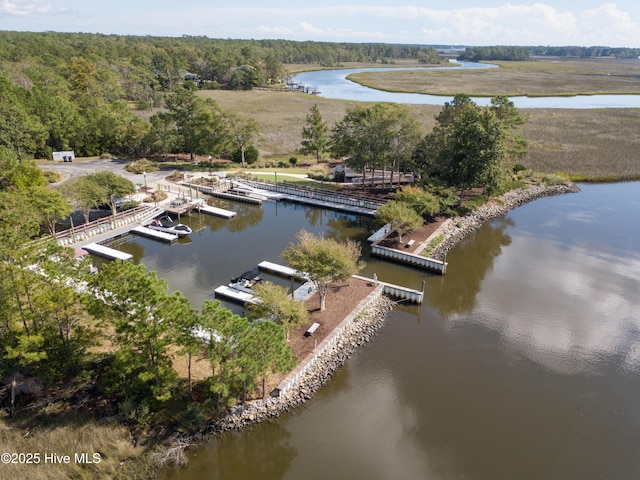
(523, 363)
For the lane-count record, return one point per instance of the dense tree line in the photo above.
(144, 64)
(63, 91)
(476, 54)
(119, 329)
(511, 53)
(585, 52)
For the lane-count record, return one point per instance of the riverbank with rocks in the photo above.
(361, 331)
(358, 332)
(455, 229)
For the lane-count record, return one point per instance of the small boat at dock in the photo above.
(246, 281)
(168, 225)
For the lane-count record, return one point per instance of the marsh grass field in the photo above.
(71, 434)
(539, 77)
(585, 144)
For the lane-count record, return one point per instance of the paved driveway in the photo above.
(83, 167)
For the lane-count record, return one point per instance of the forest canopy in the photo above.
(78, 91)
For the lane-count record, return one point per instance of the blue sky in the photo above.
(456, 22)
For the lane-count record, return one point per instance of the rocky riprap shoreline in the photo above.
(361, 331)
(454, 231)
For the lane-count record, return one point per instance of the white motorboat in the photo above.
(168, 225)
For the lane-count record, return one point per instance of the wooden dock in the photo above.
(180, 206)
(155, 234)
(107, 252)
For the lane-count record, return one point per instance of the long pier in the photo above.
(319, 197)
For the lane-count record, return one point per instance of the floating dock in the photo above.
(235, 295)
(282, 270)
(218, 212)
(107, 252)
(155, 234)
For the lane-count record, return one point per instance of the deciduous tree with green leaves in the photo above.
(275, 303)
(113, 187)
(421, 201)
(199, 124)
(379, 136)
(400, 216)
(85, 194)
(242, 132)
(324, 260)
(51, 206)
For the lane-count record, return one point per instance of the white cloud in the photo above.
(25, 7)
(536, 24)
(308, 30)
(508, 24)
(609, 23)
(588, 317)
(526, 24)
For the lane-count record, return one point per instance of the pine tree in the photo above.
(315, 138)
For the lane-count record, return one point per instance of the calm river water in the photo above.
(523, 363)
(334, 84)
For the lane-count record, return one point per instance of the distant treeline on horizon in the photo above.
(95, 93)
(18, 46)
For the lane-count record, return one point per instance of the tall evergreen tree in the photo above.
(466, 147)
(268, 351)
(315, 138)
(136, 302)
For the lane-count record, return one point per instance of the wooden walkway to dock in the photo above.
(397, 291)
(318, 197)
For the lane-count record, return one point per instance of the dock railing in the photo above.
(317, 193)
(106, 224)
